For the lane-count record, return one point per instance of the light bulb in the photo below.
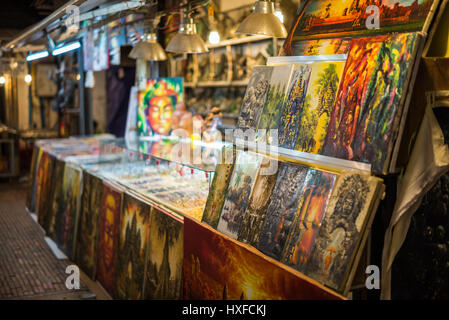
(2, 80)
(214, 37)
(28, 78)
(278, 13)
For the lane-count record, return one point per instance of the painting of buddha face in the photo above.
(157, 105)
(108, 237)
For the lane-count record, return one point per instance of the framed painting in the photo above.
(54, 198)
(238, 193)
(108, 236)
(44, 184)
(282, 209)
(163, 275)
(133, 243)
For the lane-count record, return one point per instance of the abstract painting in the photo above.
(318, 106)
(367, 108)
(108, 236)
(347, 215)
(293, 109)
(157, 105)
(258, 203)
(255, 96)
(163, 276)
(282, 209)
(69, 209)
(219, 268)
(86, 245)
(133, 243)
(220, 182)
(276, 98)
(311, 211)
(238, 193)
(337, 18)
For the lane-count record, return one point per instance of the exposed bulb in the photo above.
(214, 37)
(278, 13)
(2, 80)
(28, 78)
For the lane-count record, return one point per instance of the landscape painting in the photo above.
(293, 110)
(163, 276)
(282, 209)
(276, 98)
(220, 182)
(238, 193)
(347, 215)
(345, 17)
(318, 106)
(86, 246)
(255, 96)
(133, 243)
(69, 209)
(321, 47)
(258, 203)
(367, 109)
(219, 268)
(108, 237)
(311, 212)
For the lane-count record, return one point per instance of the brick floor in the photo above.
(28, 268)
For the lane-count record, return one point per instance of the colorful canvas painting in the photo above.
(255, 96)
(276, 98)
(238, 193)
(220, 182)
(259, 201)
(163, 276)
(157, 105)
(321, 47)
(133, 243)
(37, 153)
(66, 220)
(86, 246)
(337, 18)
(44, 175)
(219, 268)
(282, 209)
(108, 237)
(54, 197)
(367, 108)
(292, 110)
(347, 215)
(318, 106)
(311, 212)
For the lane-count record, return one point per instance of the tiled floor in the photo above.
(28, 268)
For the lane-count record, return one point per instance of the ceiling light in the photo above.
(28, 78)
(187, 40)
(262, 21)
(37, 55)
(214, 37)
(148, 49)
(66, 48)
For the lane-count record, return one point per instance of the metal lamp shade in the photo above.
(187, 40)
(148, 49)
(263, 22)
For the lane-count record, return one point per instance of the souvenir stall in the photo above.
(282, 208)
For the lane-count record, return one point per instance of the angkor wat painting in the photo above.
(258, 203)
(238, 193)
(282, 209)
(311, 212)
(255, 96)
(163, 275)
(346, 217)
(321, 47)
